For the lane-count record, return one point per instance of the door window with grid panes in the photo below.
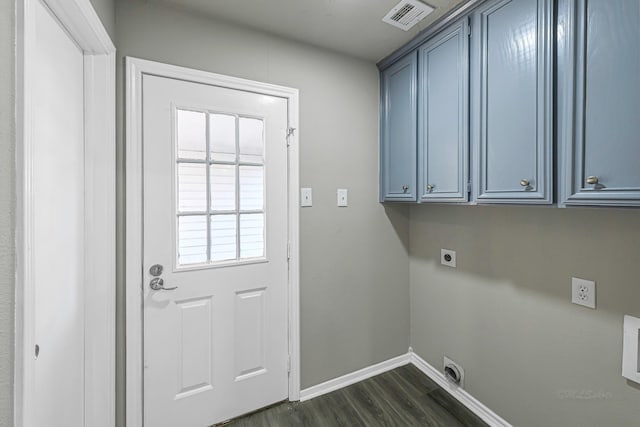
(220, 188)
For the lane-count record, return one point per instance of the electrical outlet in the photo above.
(453, 372)
(448, 257)
(583, 292)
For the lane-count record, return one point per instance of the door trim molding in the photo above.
(85, 28)
(135, 69)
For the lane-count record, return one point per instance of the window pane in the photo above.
(192, 240)
(192, 142)
(222, 137)
(251, 235)
(251, 140)
(223, 237)
(192, 187)
(223, 187)
(251, 188)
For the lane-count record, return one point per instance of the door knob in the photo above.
(524, 182)
(430, 188)
(592, 180)
(405, 188)
(157, 284)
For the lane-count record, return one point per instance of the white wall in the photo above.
(505, 312)
(354, 262)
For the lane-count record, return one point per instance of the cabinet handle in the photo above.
(429, 188)
(592, 180)
(524, 182)
(405, 188)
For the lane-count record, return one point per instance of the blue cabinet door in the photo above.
(399, 131)
(512, 100)
(443, 116)
(599, 98)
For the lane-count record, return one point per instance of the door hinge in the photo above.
(469, 187)
(288, 251)
(469, 27)
(290, 132)
(289, 364)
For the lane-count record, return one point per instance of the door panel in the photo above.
(443, 145)
(512, 57)
(57, 190)
(607, 101)
(399, 139)
(215, 217)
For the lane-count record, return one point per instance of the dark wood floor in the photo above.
(402, 397)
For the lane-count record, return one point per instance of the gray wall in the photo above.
(7, 207)
(505, 313)
(355, 270)
(106, 10)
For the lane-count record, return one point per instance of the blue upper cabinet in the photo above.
(512, 100)
(443, 116)
(599, 102)
(398, 131)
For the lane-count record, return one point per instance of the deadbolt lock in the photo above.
(156, 270)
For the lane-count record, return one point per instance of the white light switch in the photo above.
(306, 197)
(342, 197)
(630, 360)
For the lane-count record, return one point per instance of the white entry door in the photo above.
(215, 238)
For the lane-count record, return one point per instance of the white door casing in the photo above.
(217, 346)
(65, 231)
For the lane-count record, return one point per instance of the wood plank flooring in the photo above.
(401, 397)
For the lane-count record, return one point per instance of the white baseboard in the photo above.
(460, 394)
(354, 377)
(474, 405)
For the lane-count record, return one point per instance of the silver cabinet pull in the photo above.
(430, 188)
(524, 182)
(405, 188)
(157, 284)
(592, 180)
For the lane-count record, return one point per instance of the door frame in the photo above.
(83, 25)
(135, 70)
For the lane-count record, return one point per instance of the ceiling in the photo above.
(353, 27)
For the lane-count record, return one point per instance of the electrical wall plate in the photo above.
(630, 361)
(450, 367)
(342, 197)
(448, 257)
(306, 197)
(583, 292)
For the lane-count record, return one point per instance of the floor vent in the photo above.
(407, 13)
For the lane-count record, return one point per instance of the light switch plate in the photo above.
(306, 197)
(583, 292)
(342, 197)
(630, 360)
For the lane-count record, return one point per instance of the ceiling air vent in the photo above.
(407, 13)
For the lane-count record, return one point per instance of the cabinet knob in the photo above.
(592, 180)
(405, 188)
(524, 182)
(430, 188)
